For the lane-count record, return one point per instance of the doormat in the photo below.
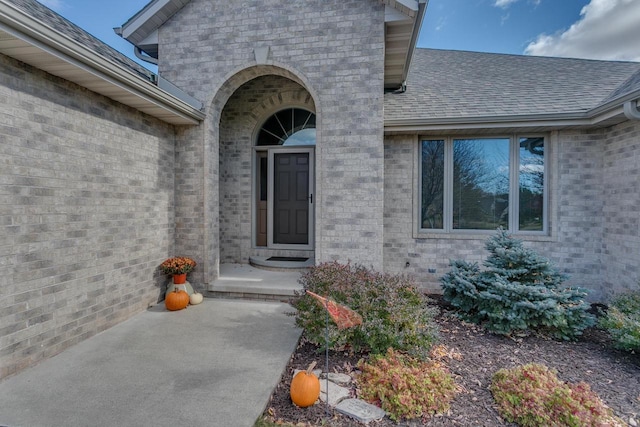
(287, 258)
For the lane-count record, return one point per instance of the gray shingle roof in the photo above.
(631, 85)
(446, 84)
(57, 22)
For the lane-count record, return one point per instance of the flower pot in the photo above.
(179, 279)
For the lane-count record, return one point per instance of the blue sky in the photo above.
(480, 25)
(594, 29)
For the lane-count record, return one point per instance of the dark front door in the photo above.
(291, 198)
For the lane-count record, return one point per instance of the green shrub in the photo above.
(395, 314)
(532, 395)
(406, 387)
(622, 321)
(517, 291)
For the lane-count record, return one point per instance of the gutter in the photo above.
(146, 58)
(631, 110)
(487, 122)
(25, 27)
(628, 102)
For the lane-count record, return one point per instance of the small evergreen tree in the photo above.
(622, 321)
(518, 290)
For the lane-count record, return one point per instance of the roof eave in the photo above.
(148, 20)
(417, 25)
(550, 121)
(90, 69)
(615, 103)
(401, 35)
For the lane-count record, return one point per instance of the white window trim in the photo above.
(448, 231)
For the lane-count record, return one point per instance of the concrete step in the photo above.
(268, 263)
(243, 281)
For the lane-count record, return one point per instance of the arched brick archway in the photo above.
(235, 113)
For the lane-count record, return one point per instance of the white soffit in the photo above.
(149, 19)
(30, 41)
(403, 19)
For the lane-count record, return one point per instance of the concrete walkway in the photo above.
(213, 364)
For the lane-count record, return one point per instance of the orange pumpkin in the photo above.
(305, 387)
(176, 300)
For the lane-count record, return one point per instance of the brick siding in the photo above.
(86, 213)
(621, 209)
(334, 50)
(594, 221)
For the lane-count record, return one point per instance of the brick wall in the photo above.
(336, 51)
(86, 213)
(621, 208)
(593, 217)
(400, 247)
(576, 249)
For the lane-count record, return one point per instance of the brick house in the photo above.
(278, 128)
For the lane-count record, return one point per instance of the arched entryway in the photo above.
(284, 180)
(266, 171)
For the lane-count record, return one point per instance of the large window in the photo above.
(482, 184)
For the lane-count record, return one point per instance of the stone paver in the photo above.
(336, 393)
(340, 379)
(360, 410)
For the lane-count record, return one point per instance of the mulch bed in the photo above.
(614, 375)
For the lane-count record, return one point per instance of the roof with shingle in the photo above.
(447, 84)
(632, 84)
(77, 34)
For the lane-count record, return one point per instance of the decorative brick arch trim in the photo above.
(234, 80)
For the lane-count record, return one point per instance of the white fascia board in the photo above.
(138, 20)
(417, 25)
(24, 27)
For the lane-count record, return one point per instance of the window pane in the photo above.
(480, 183)
(283, 124)
(531, 178)
(432, 197)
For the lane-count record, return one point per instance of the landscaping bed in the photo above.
(614, 375)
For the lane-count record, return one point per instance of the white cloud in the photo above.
(504, 3)
(56, 5)
(442, 22)
(607, 29)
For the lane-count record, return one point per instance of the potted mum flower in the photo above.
(178, 267)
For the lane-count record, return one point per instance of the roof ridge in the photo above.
(521, 55)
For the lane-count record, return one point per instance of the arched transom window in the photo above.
(289, 127)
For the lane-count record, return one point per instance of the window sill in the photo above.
(479, 235)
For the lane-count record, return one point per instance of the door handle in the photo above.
(310, 198)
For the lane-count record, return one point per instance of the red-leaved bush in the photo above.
(406, 387)
(533, 396)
